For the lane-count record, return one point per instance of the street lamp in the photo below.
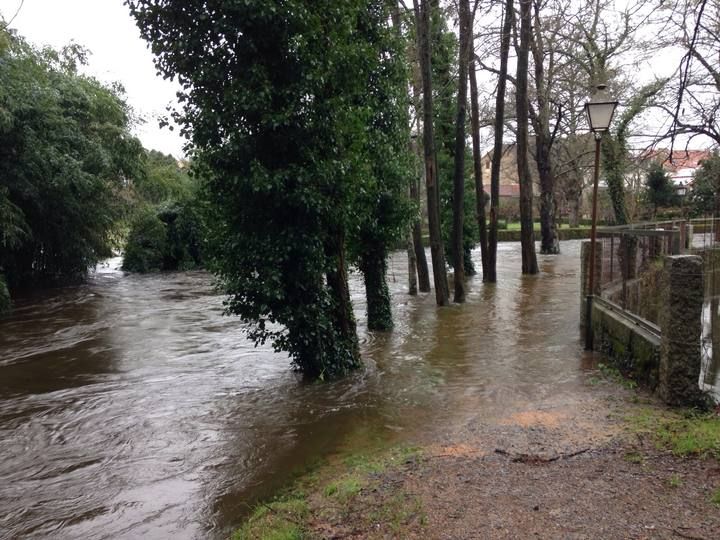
(682, 190)
(599, 110)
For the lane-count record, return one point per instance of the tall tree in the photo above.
(694, 95)
(459, 177)
(420, 260)
(273, 95)
(480, 197)
(544, 136)
(527, 235)
(615, 150)
(498, 144)
(384, 209)
(66, 159)
(422, 14)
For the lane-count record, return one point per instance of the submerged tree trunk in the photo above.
(412, 266)
(420, 258)
(477, 166)
(549, 239)
(342, 314)
(527, 235)
(417, 263)
(459, 177)
(422, 14)
(373, 265)
(498, 146)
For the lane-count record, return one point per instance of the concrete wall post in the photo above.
(681, 330)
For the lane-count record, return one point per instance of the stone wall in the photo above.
(634, 348)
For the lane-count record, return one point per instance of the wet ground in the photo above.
(130, 407)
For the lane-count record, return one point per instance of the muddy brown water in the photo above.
(131, 407)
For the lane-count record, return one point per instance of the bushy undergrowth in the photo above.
(168, 238)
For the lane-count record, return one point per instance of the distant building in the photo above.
(509, 182)
(681, 165)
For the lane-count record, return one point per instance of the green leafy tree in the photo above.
(660, 189)
(273, 101)
(705, 193)
(66, 155)
(163, 179)
(384, 210)
(169, 237)
(146, 243)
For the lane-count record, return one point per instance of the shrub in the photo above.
(185, 231)
(146, 245)
(169, 238)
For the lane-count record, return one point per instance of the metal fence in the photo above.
(632, 263)
(631, 276)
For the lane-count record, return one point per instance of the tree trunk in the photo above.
(549, 240)
(459, 177)
(373, 265)
(420, 258)
(343, 317)
(575, 204)
(417, 263)
(437, 252)
(527, 235)
(477, 165)
(498, 146)
(412, 266)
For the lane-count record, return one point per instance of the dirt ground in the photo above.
(576, 468)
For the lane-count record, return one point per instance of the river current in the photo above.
(132, 407)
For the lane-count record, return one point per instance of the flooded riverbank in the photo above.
(131, 407)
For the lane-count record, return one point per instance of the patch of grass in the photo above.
(634, 457)
(279, 520)
(399, 511)
(328, 489)
(613, 374)
(675, 481)
(715, 499)
(692, 434)
(345, 488)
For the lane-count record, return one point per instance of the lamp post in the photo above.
(599, 110)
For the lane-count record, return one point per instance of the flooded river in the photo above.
(131, 407)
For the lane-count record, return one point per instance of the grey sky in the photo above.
(118, 54)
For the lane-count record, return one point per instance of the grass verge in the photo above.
(685, 434)
(329, 497)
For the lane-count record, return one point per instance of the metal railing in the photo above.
(632, 263)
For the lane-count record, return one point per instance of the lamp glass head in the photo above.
(600, 110)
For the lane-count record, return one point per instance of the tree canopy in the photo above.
(275, 99)
(66, 159)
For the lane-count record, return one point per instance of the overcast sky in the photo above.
(118, 54)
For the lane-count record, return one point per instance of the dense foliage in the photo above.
(660, 189)
(66, 159)
(167, 228)
(705, 193)
(274, 97)
(163, 180)
(382, 208)
(146, 243)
